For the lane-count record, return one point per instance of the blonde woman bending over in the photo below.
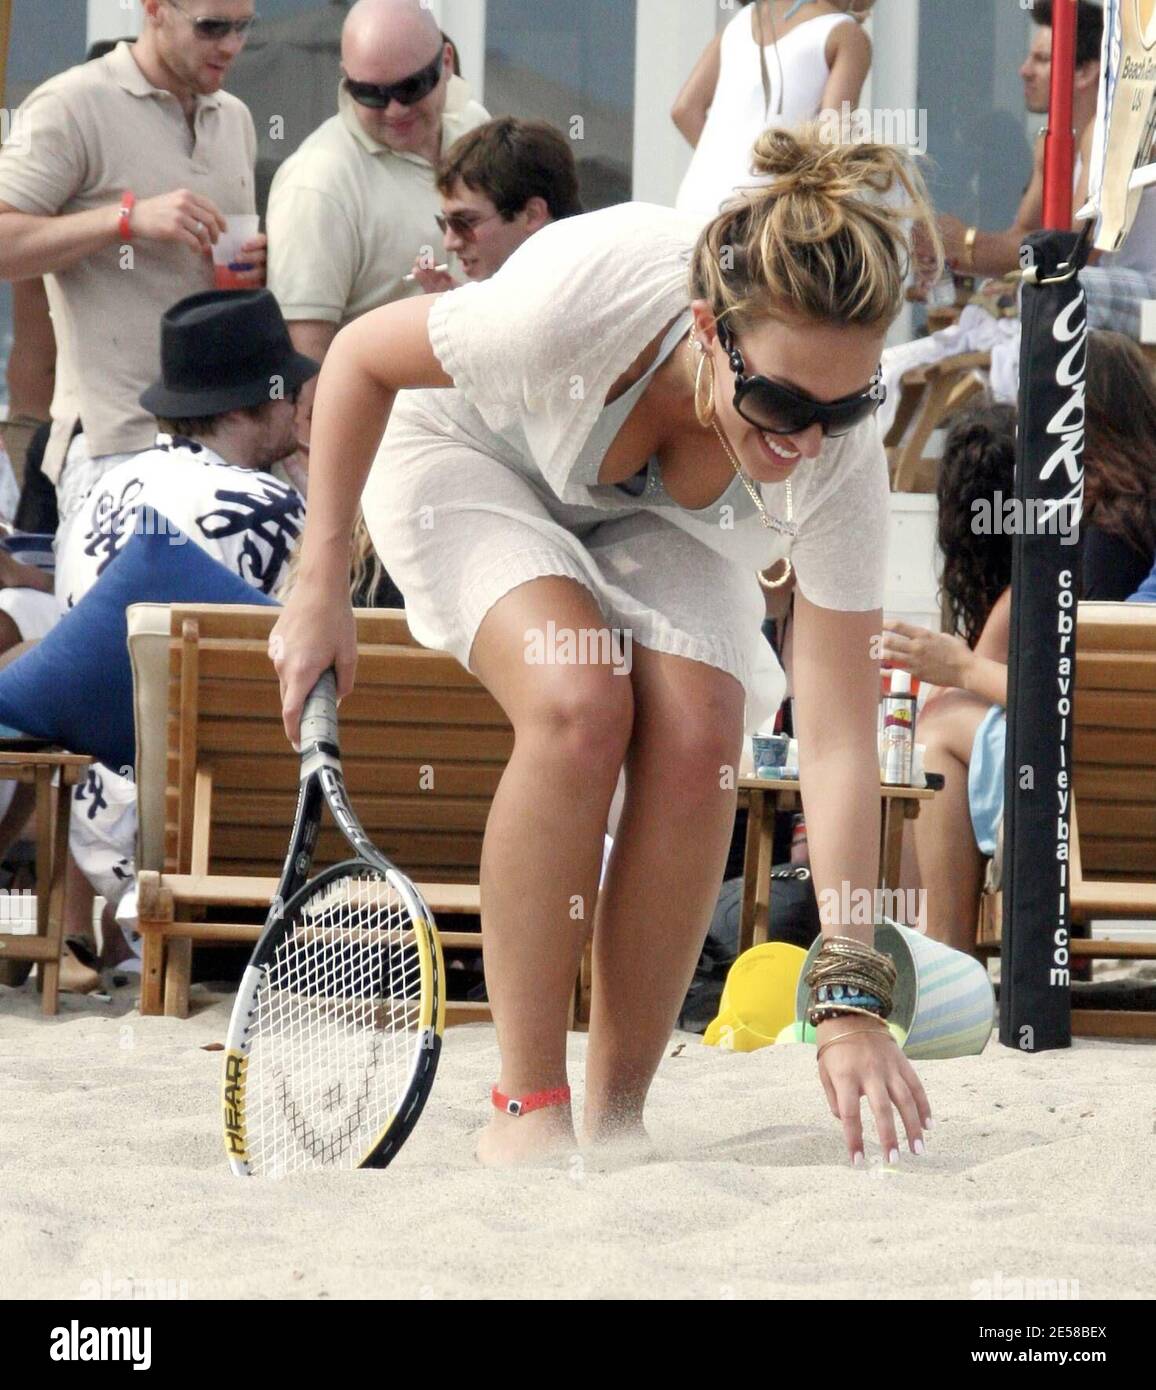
(608, 439)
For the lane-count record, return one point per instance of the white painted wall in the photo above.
(113, 19)
(893, 85)
(465, 22)
(670, 36)
(912, 588)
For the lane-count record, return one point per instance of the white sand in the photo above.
(1040, 1168)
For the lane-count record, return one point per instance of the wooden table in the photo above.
(53, 807)
(763, 797)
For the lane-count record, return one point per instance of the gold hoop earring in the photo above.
(705, 413)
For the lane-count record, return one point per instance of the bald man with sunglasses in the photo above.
(357, 203)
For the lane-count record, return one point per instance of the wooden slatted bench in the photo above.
(423, 746)
(1113, 811)
(1113, 828)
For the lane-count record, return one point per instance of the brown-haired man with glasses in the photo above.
(126, 173)
(499, 184)
(354, 206)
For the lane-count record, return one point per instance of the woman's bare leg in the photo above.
(543, 847)
(950, 864)
(664, 877)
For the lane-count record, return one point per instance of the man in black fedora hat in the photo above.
(225, 406)
(230, 378)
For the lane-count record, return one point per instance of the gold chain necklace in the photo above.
(769, 523)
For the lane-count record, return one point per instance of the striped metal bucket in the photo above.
(943, 998)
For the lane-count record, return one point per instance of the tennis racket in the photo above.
(337, 1027)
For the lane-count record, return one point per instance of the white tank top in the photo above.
(739, 113)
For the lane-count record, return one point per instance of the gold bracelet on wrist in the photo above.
(823, 1013)
(969, 240)
(851, 1033)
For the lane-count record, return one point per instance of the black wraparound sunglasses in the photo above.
(777, 409)
(408, 92)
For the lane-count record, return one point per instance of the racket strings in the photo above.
(335, 1030)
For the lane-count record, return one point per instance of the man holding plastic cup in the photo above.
(126, 173)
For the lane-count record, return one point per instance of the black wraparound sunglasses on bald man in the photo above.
(777, 409)
(408, 92)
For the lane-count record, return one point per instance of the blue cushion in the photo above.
(75, 687)
(1146, 593)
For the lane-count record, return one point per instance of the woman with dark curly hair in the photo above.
(960, 722)
(978, 465)
(1119, 522)
(963, 725)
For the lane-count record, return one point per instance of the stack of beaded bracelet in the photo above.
(848, 977)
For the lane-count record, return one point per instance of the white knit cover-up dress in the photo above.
(481, 488)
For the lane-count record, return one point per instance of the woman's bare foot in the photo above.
(510, 1140)
(75, 976)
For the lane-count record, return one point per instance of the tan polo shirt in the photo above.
(92, 132)
(348, 216)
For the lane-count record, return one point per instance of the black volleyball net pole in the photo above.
(1035, 989)
(1035, 999)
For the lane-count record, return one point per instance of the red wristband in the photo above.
(127, 203)
(523, 1105)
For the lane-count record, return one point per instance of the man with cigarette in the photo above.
(125, 174)
(499, 184)
(356, 204)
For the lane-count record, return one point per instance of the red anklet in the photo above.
(522, 1105)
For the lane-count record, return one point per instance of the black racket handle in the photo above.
(319, 717)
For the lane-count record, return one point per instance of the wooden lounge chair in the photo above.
(931, 397)
(423, 745)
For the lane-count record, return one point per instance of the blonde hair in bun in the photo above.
(827, 234)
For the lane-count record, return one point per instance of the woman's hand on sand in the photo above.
(938, 657)
(873, 1066)
(316, 631)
